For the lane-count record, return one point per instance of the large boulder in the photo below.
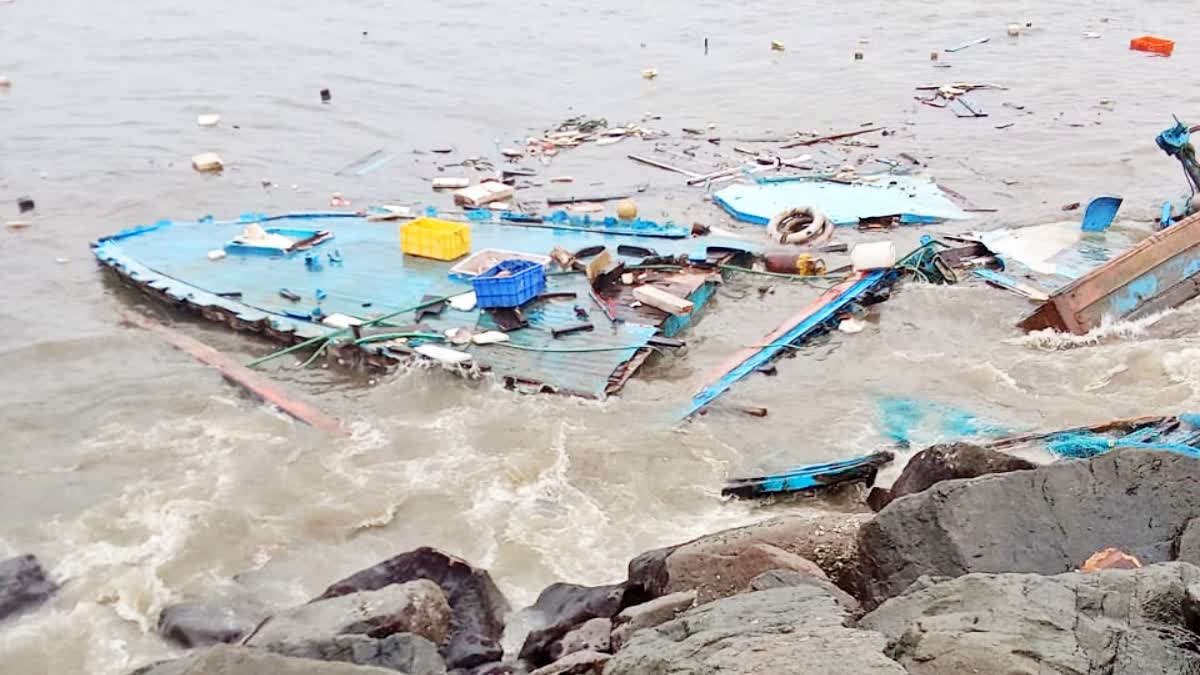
(192, 624)
(404, 652)
(561, 608)
(1187, 546)
(1046, 521)
(827, 539)
(478, 606)
(229, 660)
(578, 663)
(784, 631)
(24, 584)
(1117, 622)
(946, 462)
(417, 607)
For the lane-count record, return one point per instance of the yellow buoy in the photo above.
(627, 209)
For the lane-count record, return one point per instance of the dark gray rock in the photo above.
(649, 615)
(594, 635)
(416, 607)
(1116, 622)
(405, 652)
(565, 607)
(579, 663)
(478, 606)
(229, 660)
(24, 585)
(193, 624)
(946, 462)
(1187, 546)
(1046, 521)
(827, 539)
(784, 631)
(790, 578)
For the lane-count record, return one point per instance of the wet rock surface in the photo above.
(417, 607)
(946, 462)
(477, 605)
(229, 660)
(404, 652)
(1119, 622)
(649, 615)
(24, 585)
(565, 607)
(193, 624)
(1046, 521)
(826, 539)
(786, 631)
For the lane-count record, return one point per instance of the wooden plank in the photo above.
(660, 299)
(239, 374)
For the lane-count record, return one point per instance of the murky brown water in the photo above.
(141, 479)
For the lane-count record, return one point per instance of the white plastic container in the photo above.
(873, 256)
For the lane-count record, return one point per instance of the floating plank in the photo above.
(239, 374)
(793, 331)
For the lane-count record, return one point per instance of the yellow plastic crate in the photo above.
(437, 239)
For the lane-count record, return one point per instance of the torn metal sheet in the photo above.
(1159, 273)
(813, 319)
(842, 203)
(361, 273)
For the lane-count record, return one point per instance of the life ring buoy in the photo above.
(798, 226)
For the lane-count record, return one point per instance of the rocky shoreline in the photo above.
(977, 564)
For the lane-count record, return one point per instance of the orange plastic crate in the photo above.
(1154, 45)
(437, 239)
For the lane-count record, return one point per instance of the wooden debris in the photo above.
(207, 162)
(482, 194)
(597, 265)
(831, 137)
(450, 183)
(660, 299)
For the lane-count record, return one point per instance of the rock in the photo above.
(791, 578)
(405, 652)
(229, 660)
(946, 462)
(1187, 546)
(1118, 622)
(784, 631)
(1047, 521)
(192, 624)
(477, 605)
(827, 539)
(416, 607)
(579, 663)
(23, 585)
(563, 607)
(594, 635)
(649, 615)
(1191, 608)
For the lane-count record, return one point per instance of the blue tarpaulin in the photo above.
(842, 203)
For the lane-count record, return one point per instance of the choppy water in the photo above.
(141, 479)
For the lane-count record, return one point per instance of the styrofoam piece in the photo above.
(443, 354)
(450, 182)
(873, 256)
(341, 321)
(216, 254)
(490, 337)
(208, 120)
(465, 302)
(207, 161)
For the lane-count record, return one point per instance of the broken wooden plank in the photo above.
(597, 265)
(482, 194)
(660, 299)
(649, 161)
(1155, 273)
(239, 374)
(831, 137)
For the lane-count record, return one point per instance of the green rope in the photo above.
(396, 336)
(338, 333)
(568, 350)
(315, 355)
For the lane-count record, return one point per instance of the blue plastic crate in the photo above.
(524, 281)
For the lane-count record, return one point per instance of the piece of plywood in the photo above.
(660, 299)
(482, 194)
